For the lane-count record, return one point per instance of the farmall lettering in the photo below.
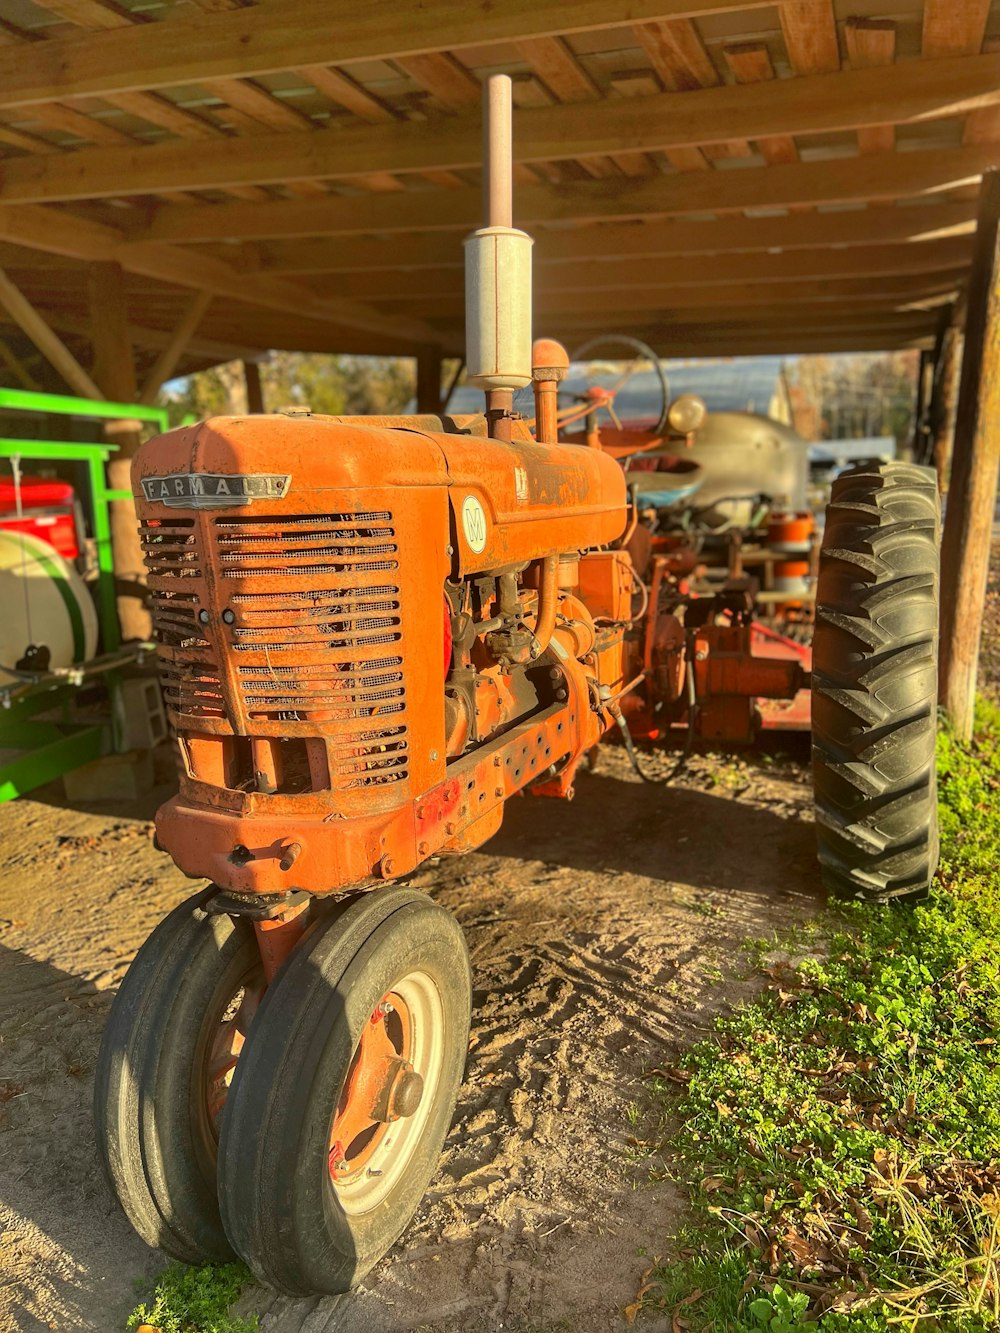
(214, 490)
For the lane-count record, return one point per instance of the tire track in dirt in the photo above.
(603, 934)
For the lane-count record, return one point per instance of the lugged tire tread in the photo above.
(874, 684)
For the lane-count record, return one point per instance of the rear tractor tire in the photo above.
(874, 684)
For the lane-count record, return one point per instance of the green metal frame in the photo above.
(20, 400)
(46, 749)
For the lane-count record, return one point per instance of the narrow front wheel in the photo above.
(173, 1038)
(338, 1111)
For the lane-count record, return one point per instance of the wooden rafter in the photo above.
(878, 176)
(901, 94)
(359, 172)
(45, 338)
(267, 38)
(40, 228)
(871, 264)
(167, 361)
(893, 231)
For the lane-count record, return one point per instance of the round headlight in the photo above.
(687, 413)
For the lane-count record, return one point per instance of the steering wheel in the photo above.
(641, 353)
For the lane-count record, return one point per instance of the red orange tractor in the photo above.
(371, 635)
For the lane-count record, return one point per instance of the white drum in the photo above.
(43, 600)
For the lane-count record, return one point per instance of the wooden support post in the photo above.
(17, 367)
(920, 430)
(429, 381)
(972, 494)
(114, 371)
(255, 390)
(51, 346)
(166, 363)
(944, 401)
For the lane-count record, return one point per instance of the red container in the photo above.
(48, 511)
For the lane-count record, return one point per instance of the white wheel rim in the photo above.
(387, 1160)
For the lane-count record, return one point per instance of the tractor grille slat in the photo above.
(322, 648)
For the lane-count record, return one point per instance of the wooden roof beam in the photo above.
(267, 38)
(810, 32)
(43, 229)
(843, 231)
(954, 27)
(45, 338)
(842, 180)
(889, 295)
(169, 358)
(871, 43)
(902, 94)
(905, 263)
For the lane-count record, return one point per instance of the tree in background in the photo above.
(331, 385)
(854, 397)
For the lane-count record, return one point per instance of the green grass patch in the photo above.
(841, 1135)
(195, 1300)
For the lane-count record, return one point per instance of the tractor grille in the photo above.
(316, 637)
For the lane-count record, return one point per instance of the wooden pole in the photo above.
(114, 371)
(919, 445)
(255, 390)
(166, 362)
(972, 494)
(429, 381)
(51, 346)
(944, 401)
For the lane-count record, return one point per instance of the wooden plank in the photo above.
(88, 128)
(114, 371)
(31, 143)
(884, 263)
(258, 104)
(954, 27)
(878, 176)
(750, 62)
(875, 297)
(270, 37)
(17, 368)
(189, 269)
(45, 338)
(810, 32)
(905, 93)
(38, 228)
(871, 43)
(678, 55)
(448, 81)
(892, 230)
(346, 92)
(972, 495)
(88, 13)
(169, 358)
(683, 64)
(557, 66)
(161, 111)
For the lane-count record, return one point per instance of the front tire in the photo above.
(175, 1031)
(338, 1112)
(874, 684)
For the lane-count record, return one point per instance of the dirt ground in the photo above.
(604, 933)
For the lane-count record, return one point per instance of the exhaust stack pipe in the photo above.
(498, 273)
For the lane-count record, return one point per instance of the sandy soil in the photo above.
(604, 933)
